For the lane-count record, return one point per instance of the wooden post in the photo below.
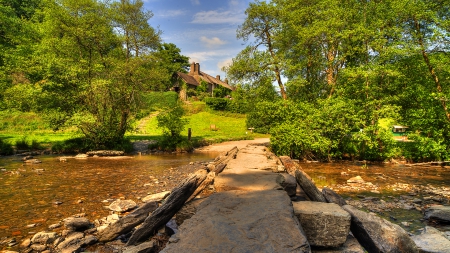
(189, 134)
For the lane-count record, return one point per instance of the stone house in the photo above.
(194, 78)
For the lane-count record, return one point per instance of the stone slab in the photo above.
(241, 221)
(325, 224)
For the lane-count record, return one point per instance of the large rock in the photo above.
(105, 153)
(325, 224)
(146, 247)
(122, 205)
(156, 197)
(438, 213)
(240, 221)
(44, 237)
(350, 246)
(74, 242)
(77, 224)
(188, 210)
(288, 183)
(379, 235)
(432, 241)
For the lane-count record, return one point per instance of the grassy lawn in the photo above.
(230, 127)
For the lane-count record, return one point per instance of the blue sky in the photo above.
(204, 30)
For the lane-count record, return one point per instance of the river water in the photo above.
(38, 195)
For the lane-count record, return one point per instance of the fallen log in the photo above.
(376, 234)
(208, 181)
(227, 156)
(303, 179)
(127, 223)
(167, 210)
(332, 197)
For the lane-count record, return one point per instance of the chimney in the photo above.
(197, 69)
(192, 69)
(218, 77)
(226, 80)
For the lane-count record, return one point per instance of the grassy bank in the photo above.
(30, 131)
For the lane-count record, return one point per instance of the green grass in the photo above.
(230, 127)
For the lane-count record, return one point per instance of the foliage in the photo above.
(172, 122)
(218, 104)
(6, 148)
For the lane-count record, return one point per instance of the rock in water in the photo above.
(325, 224)
(379, 235)
(432, 240)
(438, 213)
(356, 180)
(122, 205)
(156, 197)
(77, 224)
(44, 237)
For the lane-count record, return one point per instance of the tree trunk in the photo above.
(127, 223)
(168, 209)
(303, 179)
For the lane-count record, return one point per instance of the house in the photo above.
(399, 132)
(195, 78)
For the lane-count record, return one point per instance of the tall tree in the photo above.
(262, 25)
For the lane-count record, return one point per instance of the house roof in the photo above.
(196, 76)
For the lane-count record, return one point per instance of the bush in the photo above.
(218, 104)
(22, 144)
(172, 121)
(6, 148)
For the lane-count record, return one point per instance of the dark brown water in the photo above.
(36, 196)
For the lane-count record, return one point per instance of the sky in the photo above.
(204, 30)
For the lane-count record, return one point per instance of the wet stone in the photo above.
(122, 205)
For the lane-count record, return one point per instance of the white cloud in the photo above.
(171, 13)
(195, 2)
(224, 63)
(216, 17)
(213, 42)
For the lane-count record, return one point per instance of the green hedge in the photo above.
(218, 104)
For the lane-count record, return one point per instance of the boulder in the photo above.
(376, 234)
(350, 246)
(356, 180)
(105, 153)
(241, 221)
(432, 241)
(146, 247)
(288, 183)
(38, 247)
(44, 237)
(74, 242)
(158, 197)
(122, 205)
(438, 213)
(332, 197)
(325, 224)
(77, 224)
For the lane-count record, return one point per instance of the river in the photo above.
(38, 195)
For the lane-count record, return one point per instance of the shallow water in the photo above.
(36, 196)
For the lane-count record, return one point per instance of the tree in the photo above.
(262, 25)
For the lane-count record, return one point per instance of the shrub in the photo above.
(6, 148)
(218, 104)
(22, 144)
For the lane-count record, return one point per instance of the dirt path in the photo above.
(225, 146)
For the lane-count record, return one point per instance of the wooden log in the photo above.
(208, 181)
(303, 179)
(167, 210)
(290, 165)
(377, 235)
(127, 223)
(308, 186)
(332, 197)
(219, 168)
(227, 156)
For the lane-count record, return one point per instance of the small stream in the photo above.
(38, 195)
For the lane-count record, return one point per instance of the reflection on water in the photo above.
(36, 196)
